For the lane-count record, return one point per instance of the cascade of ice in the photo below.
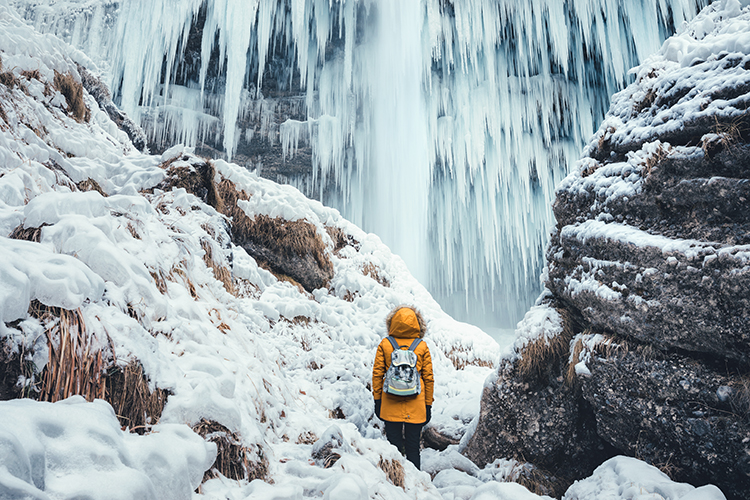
(441, 125)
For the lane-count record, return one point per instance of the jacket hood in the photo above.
(406, 323)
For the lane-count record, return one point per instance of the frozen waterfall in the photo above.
(441, 125)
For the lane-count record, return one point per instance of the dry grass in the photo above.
(91, 185)
(233, 460)
(730, 136)
(646, 102)
(338, 413)
(76, 364)
(537, 481)
(178, 271)
(284, 237)
(28, 234)
(373, 272)
(73, 93)
(282, 277)
(32, 74)
(221, 273)
(9, 79)
(740, 400)
(540, 355)
(161, 282)
(307, 437)
(137, 407)
(133, 231)
(669, 468)
(459, 356)
(654, 159)
(245, 289)
(341, 239)
(277, 235)
(394, 471)
(570, 374)
(604, 139)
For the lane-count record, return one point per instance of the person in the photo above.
(404, 416)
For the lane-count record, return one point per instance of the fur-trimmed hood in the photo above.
(408, 323)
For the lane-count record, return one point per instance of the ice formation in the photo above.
(442, 126)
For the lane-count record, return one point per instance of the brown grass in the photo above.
(394, 471)
(307, 437)
(538, 356)
(284, 237)
(245, 289)
(459, 356)
(537, 481)
(730, 135)
(221, 273)
(28, 234)
(277, 234)
(73, 93)
(604, 139)
(740, 400)
(646, 102)
(91, 185)
(32, 74)
(233, 460)
(75, 365)
(137, 407)
(341, 239)
(133, 231)
(161, 283)
(373, 272)
(178, 271)
(570, 374)
(654, 159)
(9, 79)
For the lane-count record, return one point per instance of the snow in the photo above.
(76, 449)
(626, 478)
(29, 271)
(273, 364)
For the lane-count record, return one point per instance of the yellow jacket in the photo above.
(404, 326)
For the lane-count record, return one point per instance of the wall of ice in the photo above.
(443, 126)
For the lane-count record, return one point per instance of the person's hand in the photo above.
(377, 407)
(429, 413)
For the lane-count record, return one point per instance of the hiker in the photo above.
(403, 395)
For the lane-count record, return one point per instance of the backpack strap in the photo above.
(414, 344)
(393, 342)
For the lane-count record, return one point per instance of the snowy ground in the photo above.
(277, 366)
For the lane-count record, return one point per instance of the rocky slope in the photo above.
(641, 343)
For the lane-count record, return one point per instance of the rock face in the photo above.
(648, 271)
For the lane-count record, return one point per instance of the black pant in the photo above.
(405, 437)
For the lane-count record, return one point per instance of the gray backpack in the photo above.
(402, 377)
